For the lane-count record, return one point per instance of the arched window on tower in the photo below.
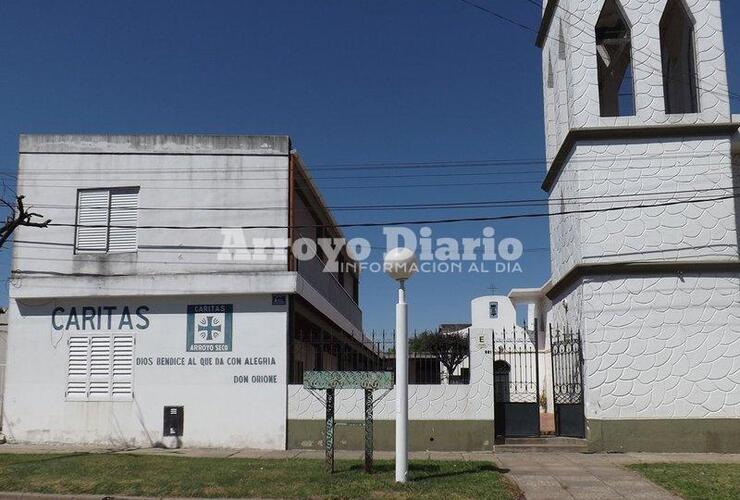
(550, 79)
(614, 61)
(678, 56)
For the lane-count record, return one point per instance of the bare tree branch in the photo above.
(19, 217)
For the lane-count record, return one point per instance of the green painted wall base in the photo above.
(667, 436)
(432, 435)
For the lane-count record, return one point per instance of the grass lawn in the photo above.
(695, 481)
(147, 475)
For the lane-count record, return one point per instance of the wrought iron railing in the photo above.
(315, 350)
(515, 365)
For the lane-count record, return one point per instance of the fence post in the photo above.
(368, 430)
(537, 373)
(330, 430)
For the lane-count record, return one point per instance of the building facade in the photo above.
(639, 133)
(166, 285)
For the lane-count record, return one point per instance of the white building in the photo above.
(637, 112)
(126, 305)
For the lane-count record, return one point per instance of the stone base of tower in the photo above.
(661, 359)
(675, 435)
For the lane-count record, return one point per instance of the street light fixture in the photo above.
(400, 264)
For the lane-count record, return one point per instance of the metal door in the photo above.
(567, 378)
(516, 383)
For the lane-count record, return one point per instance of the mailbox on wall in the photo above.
(174, 417)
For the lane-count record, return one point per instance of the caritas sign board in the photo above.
(210, 328)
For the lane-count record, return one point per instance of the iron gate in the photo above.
(567, 379)
(516, 385)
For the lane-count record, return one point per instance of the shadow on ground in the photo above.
(423, 471)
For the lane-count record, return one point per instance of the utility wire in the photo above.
(272, 186)
(207, 175)
(390, 165)
(645, 196)
(415, 222)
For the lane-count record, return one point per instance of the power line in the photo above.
(271, 186)
(500, 16)
(390, 165)
(206, 177)
(416, 222)
(651, 196)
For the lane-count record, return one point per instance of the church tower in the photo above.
(645, 259)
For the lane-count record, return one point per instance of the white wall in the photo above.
(472, 401)
(3, 356)
(218, 411)
(172, 172)
(662, 347)
(481, 318)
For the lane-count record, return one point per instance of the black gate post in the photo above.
(537, 372)
(552, 369)
(330, 430)
(369, 430)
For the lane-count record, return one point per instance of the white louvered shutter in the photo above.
(124, 216)
(123, 367)
(77, 367)
(92, 220)
(100, 367)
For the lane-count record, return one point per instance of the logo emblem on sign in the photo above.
(209, 328)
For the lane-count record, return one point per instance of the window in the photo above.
(106, 220)
(550, 80)
(493, 309)
(100, 367)
(678, 57)
(614, 62)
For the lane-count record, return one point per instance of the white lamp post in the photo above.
(400, 264)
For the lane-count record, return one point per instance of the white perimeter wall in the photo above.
(218, 411)
(426, 402)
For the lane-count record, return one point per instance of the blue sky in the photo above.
(349, 81)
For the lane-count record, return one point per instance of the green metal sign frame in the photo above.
(348, 380)
(332, 380)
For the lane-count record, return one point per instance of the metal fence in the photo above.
(434, 357)
(516, 365)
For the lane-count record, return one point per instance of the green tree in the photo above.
(450, 349)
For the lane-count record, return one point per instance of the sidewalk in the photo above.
(556, 476)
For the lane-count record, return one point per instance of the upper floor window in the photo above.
(493, 310)
(107, 220)
(678, 57)
(614, 62)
